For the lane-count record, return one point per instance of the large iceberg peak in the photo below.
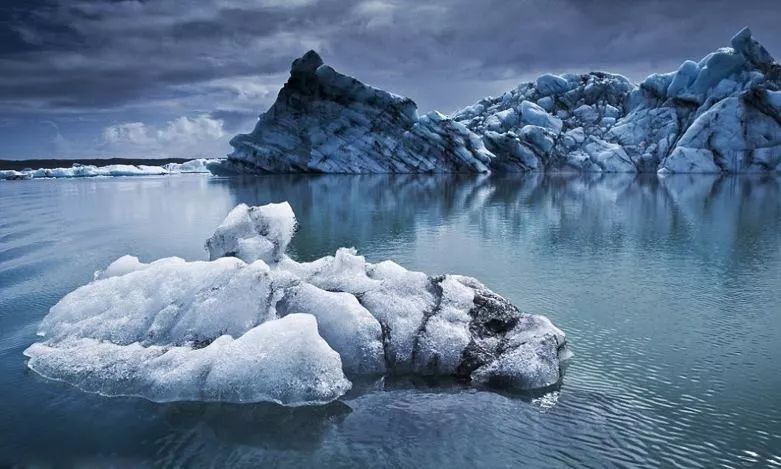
(274, 329)
(306, 64)
(325, 121)
(754, 52)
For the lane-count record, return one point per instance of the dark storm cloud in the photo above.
(228, 57)
(105, 53)
(111, 52)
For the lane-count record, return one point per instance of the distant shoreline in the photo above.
(18, 165)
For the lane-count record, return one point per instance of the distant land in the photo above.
(18, 165)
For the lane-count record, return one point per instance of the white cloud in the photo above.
(247, 89)
(134, 133)
(263, 3)
(183, 137)
(376, 13)
(185, 128)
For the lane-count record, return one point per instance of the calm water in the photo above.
(669, 291)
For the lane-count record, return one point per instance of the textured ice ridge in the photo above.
(323, 121)
(253, 325)
(719, 115)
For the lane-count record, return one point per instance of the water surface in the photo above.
(669, 291)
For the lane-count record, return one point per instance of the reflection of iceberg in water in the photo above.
(608, 212)
(602, 211)
(351, 210)
(260, 425)
(735, 219)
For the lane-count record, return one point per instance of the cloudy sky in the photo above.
(156, 78)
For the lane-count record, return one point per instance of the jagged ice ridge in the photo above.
(719, 115)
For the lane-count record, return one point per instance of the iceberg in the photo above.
(114, 170)
(712, 116)
(252, 233)
(199, 165)
(325, 122)
(12, 175)
(718, 115)
(253, 324)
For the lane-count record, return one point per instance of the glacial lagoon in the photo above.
(667, 288)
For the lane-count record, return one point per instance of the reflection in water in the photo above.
(575, 212)
(259, 426)
(340, 210)
(668, 289)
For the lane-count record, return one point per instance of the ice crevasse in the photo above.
(252, 324)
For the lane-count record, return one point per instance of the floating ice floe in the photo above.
(81, 171)
(253, 325)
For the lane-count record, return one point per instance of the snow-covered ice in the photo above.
(282, 360)
(252, 324)
(252, 233)
(198, 165)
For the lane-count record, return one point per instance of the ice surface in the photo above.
(531, 355)
(167, 301)
(535, 115)
(283, 361)
(551, 85)
(10, 174)
(123, 265)
(192, 166)
(252, 233)
(714, 115)
(445, 333)
(346, 325)
(279, 330)
(531, 365)
(739, 134)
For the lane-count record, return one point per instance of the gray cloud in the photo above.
(163, 59)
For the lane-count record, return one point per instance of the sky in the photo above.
(168, 78)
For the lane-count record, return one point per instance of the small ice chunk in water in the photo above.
(123, 265)
(252, 233)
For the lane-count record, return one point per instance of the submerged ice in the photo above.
(253, 324)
